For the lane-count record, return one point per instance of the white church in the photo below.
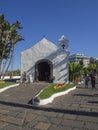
(46, 61)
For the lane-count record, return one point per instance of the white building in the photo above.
(45, 61)
(79, 57)
(96, 60)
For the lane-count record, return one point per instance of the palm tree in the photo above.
(92, 67)
(92, 60)
(72, 71)
(8, 39)
(97, 68)
(75, 70)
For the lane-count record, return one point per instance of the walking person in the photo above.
(23, 78)
(93, 78)
(86, 80)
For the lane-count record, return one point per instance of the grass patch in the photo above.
(50, 90)
(6, 84)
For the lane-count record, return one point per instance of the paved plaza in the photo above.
(77, 110)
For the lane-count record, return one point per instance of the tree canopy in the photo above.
(9, 36)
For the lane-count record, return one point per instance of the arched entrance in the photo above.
(43, 70)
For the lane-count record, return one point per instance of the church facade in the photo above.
(45, 61)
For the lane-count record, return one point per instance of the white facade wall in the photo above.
(45, 49)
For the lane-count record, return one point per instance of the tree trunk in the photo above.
(0, 68)
(10, 60)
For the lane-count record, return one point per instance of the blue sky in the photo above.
(76, 19)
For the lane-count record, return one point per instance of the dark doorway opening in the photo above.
(43, 71)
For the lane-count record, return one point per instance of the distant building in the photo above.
(96, 60)
(80, 57)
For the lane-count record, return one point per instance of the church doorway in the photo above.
(43, 70)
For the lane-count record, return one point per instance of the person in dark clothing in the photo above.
(93, 79)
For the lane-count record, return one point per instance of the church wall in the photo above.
(40, 51)
(60, 67)
(34, 54)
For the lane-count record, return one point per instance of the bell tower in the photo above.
(63, 43)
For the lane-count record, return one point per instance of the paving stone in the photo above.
(42, 118)
(73, 123)
(38, 112)
(88, 106)
(29, 117)
(56, 120)
(3, 124)
(29, 125)
(87, 118)
(12, 120)
(60, 115)
(76, 128)
(69, 116)
(2, 111)
(57, 127)
(91, 125)
(26, 128)
(42, 126)
(95, 110)
(13, 113)
(11, 127)
(20, 115)
(50, 114)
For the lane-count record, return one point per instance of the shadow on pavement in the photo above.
(96, 102)
(33, 107)
(88, 95)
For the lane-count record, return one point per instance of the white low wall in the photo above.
(13, 77)
(50, 99)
